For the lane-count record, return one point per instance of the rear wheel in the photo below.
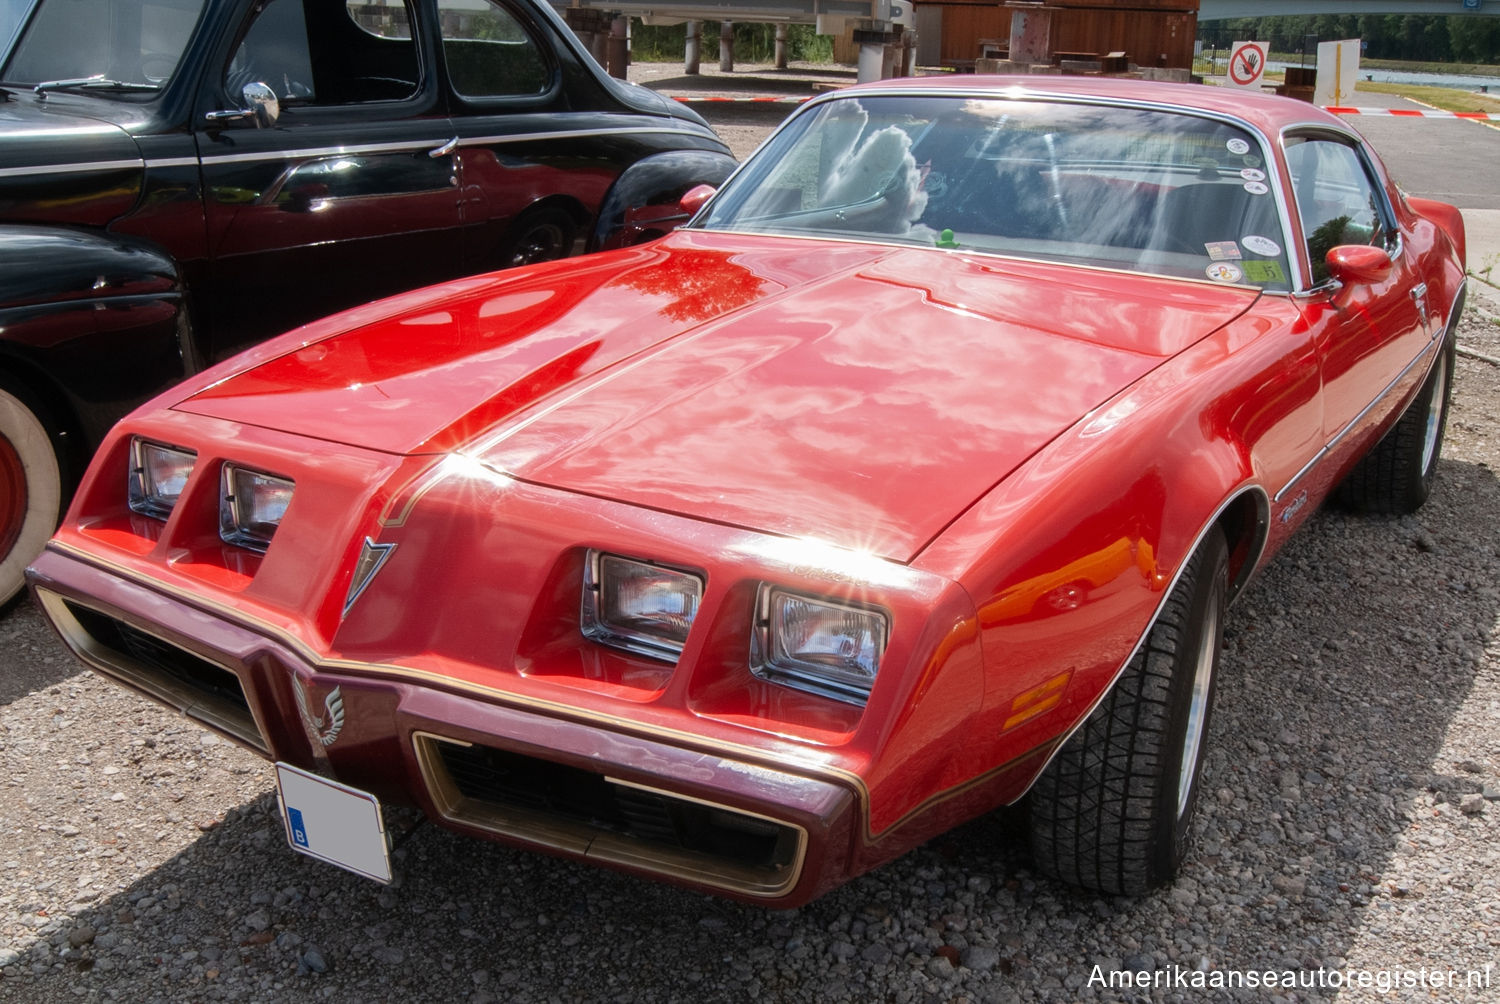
(1396, 476)
(1113, 810)
(539, 235)
(30, 490)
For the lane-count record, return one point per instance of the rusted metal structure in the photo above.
(1157, 33)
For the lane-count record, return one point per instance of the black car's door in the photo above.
(349, 194)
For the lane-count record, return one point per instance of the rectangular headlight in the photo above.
(821, 646)
(158, 475)
(638, 606)
(251, 505)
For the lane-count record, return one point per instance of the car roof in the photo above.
(1270, 113)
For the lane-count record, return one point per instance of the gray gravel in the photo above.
(1349, 822)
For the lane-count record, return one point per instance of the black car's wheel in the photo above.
(539, 235)
(1113, 809)
(1396, 476)
(30, 490)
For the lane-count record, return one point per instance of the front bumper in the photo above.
(490, 765)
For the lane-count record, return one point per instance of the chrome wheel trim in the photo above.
(1197, 717)
(1434, 414)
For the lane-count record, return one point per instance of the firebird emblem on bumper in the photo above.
(326, 727)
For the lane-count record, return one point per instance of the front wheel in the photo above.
(1396, 476)
(1112, 811)
(30, 490)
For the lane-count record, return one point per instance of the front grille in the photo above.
(572, 809)
(181, 679)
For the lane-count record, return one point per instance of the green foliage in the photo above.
(1438, 38)
(753, 43)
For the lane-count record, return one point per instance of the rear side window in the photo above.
(489, 52)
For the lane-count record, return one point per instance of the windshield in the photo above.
(112, 47)
(1154, 191)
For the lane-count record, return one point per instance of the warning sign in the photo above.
(1247, 64)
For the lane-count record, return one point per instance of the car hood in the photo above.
(864, 395)
(97, 166)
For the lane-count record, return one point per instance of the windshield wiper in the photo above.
(97, 82)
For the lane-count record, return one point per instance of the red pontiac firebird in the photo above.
(911, 479)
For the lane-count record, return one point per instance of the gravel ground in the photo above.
(1349, 824)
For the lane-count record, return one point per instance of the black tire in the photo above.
(1396, 476)
(539, 235)
(31, 487)
(1113, 810)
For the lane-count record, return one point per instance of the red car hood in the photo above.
(862, 395)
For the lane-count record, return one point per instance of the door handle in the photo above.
(444, 150)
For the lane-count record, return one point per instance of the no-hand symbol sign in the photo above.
(1247, 64)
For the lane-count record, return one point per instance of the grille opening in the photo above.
(195, 686)
(602, 817)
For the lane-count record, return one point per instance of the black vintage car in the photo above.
(180, 178)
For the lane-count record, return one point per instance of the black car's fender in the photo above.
(642, 204)
(91, 324)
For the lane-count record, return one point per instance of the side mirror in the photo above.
(262, 103)
(693, 199)
(1359, 263)
(261, 106)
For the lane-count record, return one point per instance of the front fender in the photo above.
(643, 203)
(91, 323)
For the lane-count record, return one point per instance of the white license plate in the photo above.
(333, 822)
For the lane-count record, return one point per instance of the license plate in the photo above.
(333, 822)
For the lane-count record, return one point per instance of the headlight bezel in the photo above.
(237, 525)
(598, 623)
(769, 662)
(142, 493)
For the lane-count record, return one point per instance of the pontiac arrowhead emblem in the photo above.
(326, 727)
(371, 559)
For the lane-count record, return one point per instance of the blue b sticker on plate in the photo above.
(299, 831)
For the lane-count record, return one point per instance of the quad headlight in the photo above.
(818, 645)
(251, 505)
(158, 475)
(637, 606)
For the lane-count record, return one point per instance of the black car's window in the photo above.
(313, 53)
(488, 52)
(1337, 200)
(128, 47)
(1135, 188)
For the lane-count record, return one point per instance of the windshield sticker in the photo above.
(1256, 187)
(1250, 160)
(1253, 174)
(1220, 250)
(1238, 147)
(1256, 244)
(1224, 271)
(1264, 271)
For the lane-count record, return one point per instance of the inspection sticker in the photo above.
(1256, 244)
(1256, 187)
(1237, 146)
(1253, 174)
(1224, 271)
(1221, 250)
(1264, 271)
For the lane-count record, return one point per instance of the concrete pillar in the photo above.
(1030, 32)
(690, 56)
(726, 47)
(781, 47)
(871, 61)
(619, 48)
